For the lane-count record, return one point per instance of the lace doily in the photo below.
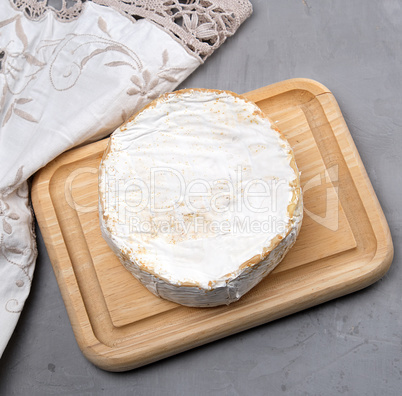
(200, 25)
(37, 9)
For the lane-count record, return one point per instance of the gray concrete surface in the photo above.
(350, 346)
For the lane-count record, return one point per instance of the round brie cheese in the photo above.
(199, 196)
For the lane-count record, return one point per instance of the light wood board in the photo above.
(344, 244)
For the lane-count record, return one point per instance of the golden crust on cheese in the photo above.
(157, 131)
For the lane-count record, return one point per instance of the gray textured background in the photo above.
(352, 345)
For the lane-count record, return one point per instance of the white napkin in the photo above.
(73, 75)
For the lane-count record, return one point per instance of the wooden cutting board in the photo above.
(344, 244)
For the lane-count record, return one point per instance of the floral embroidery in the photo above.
(18, 68)
(7, 228)
(13, 306)
(103, 26)
(16, 184)
(19, 283)
(200, 25)
(21, 258)
(196, 22)
(64, 75)
(18, 111)
(145, 84)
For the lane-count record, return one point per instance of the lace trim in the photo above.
(200, 25)
(37, 9)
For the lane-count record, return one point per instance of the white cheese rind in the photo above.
(184, 142)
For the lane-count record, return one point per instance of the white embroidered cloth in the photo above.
(72, 76)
